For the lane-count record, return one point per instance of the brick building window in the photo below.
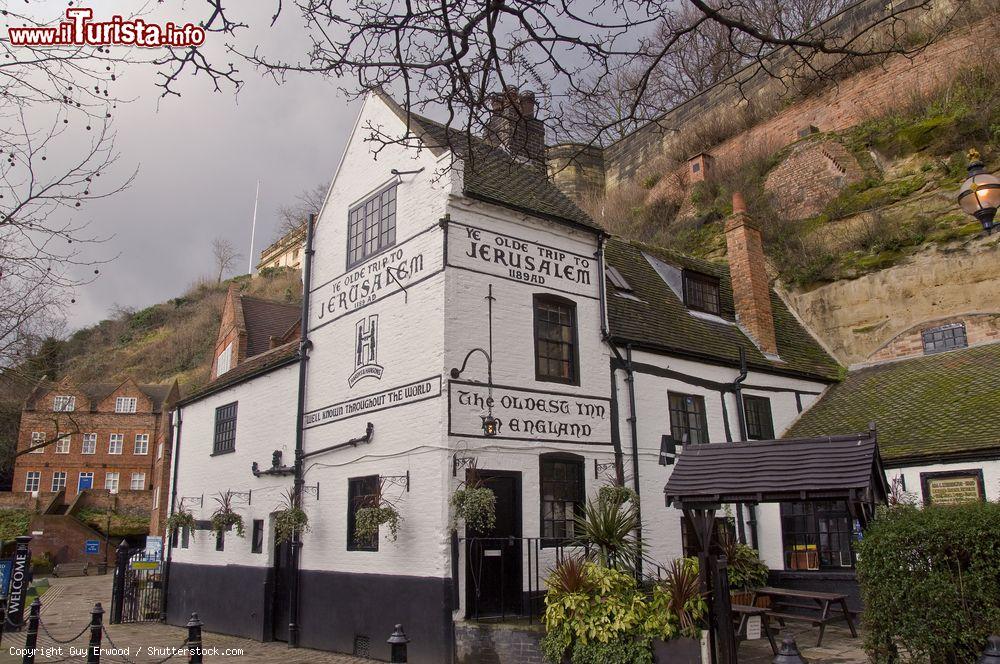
(817, 535)
(115, 443)
(31, 480)
(111, 482)
(760, 425)
(562, 488)
(37, 438)
(257, 536)
(688, 423)
(225, 429)
(59, 480)
(142, 443)
(62, 445)
(138, 482)
(555, 340)
(371, 226)
(701, 292)
(89, 443)
(945, 337)
(64, 404)
(360, 492)
(125, 404)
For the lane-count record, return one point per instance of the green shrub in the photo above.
(14, 523)
(477, 505)
(121, 524)
(930, 581)
(635, 650)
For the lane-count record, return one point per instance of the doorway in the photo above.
(279, 599)
(493, 582)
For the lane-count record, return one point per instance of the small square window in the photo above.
(125, 404)
(111, 482)
(138, 482)
(760, 425)
(142, 443)
(945, 337)
(58, 480)
(89, 443)
(64, 404)
(115, 443)
(31, 480)
(37, 438)
(701, 292)
(62, 445)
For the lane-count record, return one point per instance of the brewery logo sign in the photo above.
(366, 351)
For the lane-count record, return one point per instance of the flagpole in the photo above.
(253, 228)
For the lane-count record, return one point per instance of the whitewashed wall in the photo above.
(265, 422)
(911, 475)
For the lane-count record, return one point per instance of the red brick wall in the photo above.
(810, 177)
(979, 329)
(751, 288)
(232, 329)
(64, 539)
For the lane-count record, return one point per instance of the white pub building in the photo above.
(463, 313)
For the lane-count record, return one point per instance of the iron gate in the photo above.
(138, 587)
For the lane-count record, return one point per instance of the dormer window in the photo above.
(371, 226)
(945, 337)
(64, 404)
(125, 404)
(701, 292)
(617, 280)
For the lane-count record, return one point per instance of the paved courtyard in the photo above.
(838, 646)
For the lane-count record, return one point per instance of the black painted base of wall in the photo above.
(827, 582)
(334, 608)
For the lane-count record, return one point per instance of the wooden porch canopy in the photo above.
(845, 468)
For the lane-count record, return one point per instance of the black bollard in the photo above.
(788, 653)
(992, 653)
(31, 639)
(194, 639)
(397, 646)
(94, 649)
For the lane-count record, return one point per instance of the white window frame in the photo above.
(159, 450)
(225, 361)
(114, 438)
(62, 446)
(125, 404)
(142, 482)
(144, 438)
(64, 403)
(59, 475)
(33, 478)
(89, 441)
(37, 438)
(156, 497)
(89, 474)
(110, 485)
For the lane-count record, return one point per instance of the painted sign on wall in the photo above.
(393, 271)
(526, 414)
(953, 487)
(366, 351)
(420, 390)
(517, 259)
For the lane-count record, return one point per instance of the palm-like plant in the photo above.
(682, 586)
(607, 530)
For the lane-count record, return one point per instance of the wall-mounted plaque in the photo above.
(953, 487)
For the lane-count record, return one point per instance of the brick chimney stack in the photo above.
(513, 127)
(747, 270)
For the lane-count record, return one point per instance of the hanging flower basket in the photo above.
(224, 518)
(616, 494)
(477, 506)
(289, 521)
(179, 520)
(367, 521)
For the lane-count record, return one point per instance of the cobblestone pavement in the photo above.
(66, 611)
(839, 647)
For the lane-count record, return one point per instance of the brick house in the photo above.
(96, 436)
(251, 326)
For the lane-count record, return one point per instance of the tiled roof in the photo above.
(96, 392)
(770, 470)
(254, 366)
(493, 176)
(659, 318)
(931, 406)
(264, 319)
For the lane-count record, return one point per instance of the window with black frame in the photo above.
(701, 292)
(555, 339)
(817, 535)
(562, 495)
(257, 540)
(225, 429)
(220, 540)
(688, 423)
(757, 411)
(361, 492)
(371, 226)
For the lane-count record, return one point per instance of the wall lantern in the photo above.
(980, 193)
(491, 425)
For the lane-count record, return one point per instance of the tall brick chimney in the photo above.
(513, 126)
(751, 287)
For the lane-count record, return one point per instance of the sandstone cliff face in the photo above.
(856, 317)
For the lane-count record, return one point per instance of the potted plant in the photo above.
(224, 517)
(617, 494)
(289, 520)
(376, 510)
(179, 520)
(677, 614)
(606, 529)
(745, 569)
(474, 503)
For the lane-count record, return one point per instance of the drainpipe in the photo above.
(635, 453)
(741, 418)
(304, 346)
(606, 337)
(175, 438)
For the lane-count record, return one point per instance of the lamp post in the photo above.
(980, 193)
(491, 425)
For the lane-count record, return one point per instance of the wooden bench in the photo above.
(742, 614)
(70, 569)
(786, 598)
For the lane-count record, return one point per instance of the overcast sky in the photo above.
(199, 158)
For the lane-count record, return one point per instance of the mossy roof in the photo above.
(658, 319)
(933, 406)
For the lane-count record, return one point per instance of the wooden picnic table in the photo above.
(742, 615)
(810, 600)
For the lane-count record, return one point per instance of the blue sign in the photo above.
(6, 567)
(93, 546)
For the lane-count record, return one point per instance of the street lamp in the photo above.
(980, 193)
(491, 425)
